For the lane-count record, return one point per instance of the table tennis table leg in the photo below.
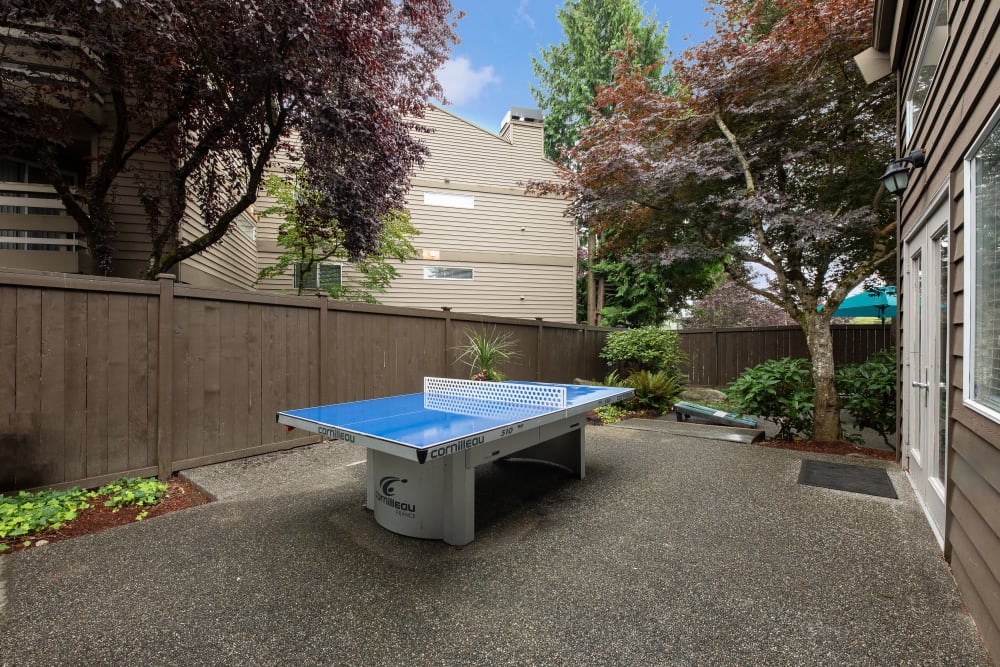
(459, 511)
(370, 490)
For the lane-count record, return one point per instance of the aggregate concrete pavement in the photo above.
(672, 551)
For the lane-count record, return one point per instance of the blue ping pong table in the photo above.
(422, 449)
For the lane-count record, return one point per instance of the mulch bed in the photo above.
(180, 495)
(843, 448)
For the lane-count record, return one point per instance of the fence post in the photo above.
(165, 378)
(324, 347)
(538, 350)
(717, 373)
(446, 371)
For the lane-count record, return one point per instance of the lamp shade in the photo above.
(896, 178)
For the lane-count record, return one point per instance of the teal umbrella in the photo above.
(880, 302)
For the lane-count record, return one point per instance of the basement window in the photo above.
(446, 273)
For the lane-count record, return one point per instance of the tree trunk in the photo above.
(826, 416)
(600, 301)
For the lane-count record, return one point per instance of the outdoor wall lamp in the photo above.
(897, 175)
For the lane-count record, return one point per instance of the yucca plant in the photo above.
(485, 351)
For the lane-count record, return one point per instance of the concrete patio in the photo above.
(673, 551)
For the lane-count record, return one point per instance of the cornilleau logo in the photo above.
(335, 434)
(458, 445)
(387, 485)
(386, 491)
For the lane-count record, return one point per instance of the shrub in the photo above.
(654, 391)
(645, 348)
(869, 393)
(780, 390)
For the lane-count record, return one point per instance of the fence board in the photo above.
(212, 416)
(8, 349)
(137, 381)
(240, 399)
(227, 341)
(182, 368)
(151, 456)
(716, 357)
(97, 384)
(118, 395)
(75, 379)
(52, 436)
(196, 378)
(85, 356)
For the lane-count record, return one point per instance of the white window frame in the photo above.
(428, 270)
(246, 225)
(970, 269)
(909, 122)
(318, 282)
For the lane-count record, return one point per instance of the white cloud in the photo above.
(524, 16)
(462, 83)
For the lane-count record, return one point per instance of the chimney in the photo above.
(522, 127)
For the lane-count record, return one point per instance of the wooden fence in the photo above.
(716, 357)
(103, 378)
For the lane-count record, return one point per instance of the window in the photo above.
(449, 200)
(246, 225)
(13, 172)
(446, 273)
(324, 275)
(982, 275)
(935, 37)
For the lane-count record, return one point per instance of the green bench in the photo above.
(686, 411)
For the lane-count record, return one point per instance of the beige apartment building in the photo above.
(485, 245)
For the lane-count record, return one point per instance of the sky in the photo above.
(490, 70)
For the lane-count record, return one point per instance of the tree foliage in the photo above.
(199, 95)
(640, 290)
(571, 72)
(765, 157)
(730, 305)
(645, 348)
(309, 241)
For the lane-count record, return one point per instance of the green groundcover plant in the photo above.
(28, 513)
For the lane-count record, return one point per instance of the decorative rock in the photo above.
(702, 394)
(41, 543)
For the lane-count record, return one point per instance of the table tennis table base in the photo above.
(436, 499)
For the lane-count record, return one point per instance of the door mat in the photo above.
(844, 477)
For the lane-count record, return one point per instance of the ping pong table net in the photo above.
(492, 399)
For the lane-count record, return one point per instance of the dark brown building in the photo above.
(945, 55)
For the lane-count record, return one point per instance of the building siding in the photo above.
(964, 95)
(521, 247)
